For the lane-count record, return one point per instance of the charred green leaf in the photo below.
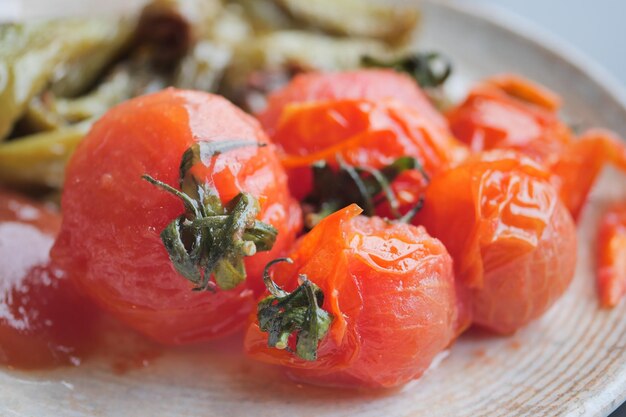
(299, 313)
(335, 188)
(210, 240)
(429, 69)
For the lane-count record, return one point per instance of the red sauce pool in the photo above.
(44, 322)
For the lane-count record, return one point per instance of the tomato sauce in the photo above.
(44, 322)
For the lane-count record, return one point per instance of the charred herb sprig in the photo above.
(429, 69)
(283, 314)
(335, 188)
(210, 239)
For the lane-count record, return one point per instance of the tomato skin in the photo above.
(390, 290)
(44, 321)
(110, 243)
(611, 256)
(509, 112)
(365, 133)
(580, 164)
(512, 241)
(491, 118)
(365, 84)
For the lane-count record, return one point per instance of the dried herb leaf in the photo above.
(210, 240)
(299, 313)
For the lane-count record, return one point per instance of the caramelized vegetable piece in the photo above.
(170, 28)
(287, 52)
(509, 112)
(139, 251)
(43, 320)
(512, 240)
(387, 290)
(611, 263)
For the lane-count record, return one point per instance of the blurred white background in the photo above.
(595, 27)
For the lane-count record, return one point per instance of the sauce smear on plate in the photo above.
(44, 322)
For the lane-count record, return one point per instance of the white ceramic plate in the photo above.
(571, 362)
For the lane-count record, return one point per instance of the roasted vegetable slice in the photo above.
(32, 56)
(277, 56)
(39, 159)
(170, 28)
(354, 18)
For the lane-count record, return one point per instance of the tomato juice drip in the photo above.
(44, 321)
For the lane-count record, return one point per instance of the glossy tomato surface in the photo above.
(512, 240)
(510, 112)
(579, 165)
(367, 84)
(109, 241)
(43, 320)
(368, 134)
(390, 290)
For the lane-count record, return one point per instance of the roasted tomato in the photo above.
(611, 263)
(120, 224)
(382, 295)
(43, 320)
(364, 134)
(510, 112)
(578, 166)
(369, 84)
(512, 240)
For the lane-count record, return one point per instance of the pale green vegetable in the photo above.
(38, 118)
(80, 72)
(355, 17)
(117, 88)
(203, 68)
(276, 56)
(34, 55)
(305, 50)
(265, 15)
(39, 159)
(58, 77)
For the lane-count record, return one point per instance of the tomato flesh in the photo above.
(44, 322)
(369, 84)
(364, 133)
(509, 112)
(390, 290)
(511, 238)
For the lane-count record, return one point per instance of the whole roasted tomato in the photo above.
(43, 319)
(167, 187)
(510, 112)
(364, 302)
(611, 274)
(361, 134)
(364, 84)
(512, 240)
(363, 119)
